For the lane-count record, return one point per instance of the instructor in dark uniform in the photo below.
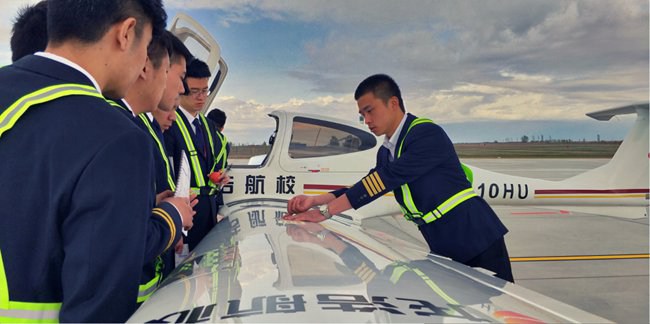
(418, 163)
(76, 175)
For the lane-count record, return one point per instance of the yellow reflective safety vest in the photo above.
(411, 212)
(161, 149)
(221, 160)
(23, 312)
(199, 174)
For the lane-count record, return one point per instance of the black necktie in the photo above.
(200, 138)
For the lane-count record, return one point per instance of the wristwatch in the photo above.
(324, 210)
(321, 235)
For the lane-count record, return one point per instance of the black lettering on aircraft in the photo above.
(256, 218)
(228, 189)
(278, 218)
(504, 191)
(196, 315)
(284, 185)
(274, 304)
(235, 226)
(255, 184)
(330, 302)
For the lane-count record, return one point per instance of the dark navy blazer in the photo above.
(161, 170)
(430, 166)
(76, 196)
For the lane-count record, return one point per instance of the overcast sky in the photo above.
(484, 70)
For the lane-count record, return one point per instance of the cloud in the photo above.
(454, 60)
(244, 115)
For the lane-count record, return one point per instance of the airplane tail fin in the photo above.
(626, 174)
(628, 169)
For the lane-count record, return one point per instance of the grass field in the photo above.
(494, 150)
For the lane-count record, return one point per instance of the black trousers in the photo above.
(496, 259)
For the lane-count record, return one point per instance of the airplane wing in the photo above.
(254, 267)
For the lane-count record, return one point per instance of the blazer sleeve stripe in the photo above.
(378, 183)
(369, 187)
(168, 219)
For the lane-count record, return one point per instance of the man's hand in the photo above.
(311, 215)
(185, 208)
(300, 204)
(224, 180)
(179, 246)
(163, 195)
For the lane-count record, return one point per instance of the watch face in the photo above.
(324, 210)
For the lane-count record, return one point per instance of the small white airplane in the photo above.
(313, 154)
(255, 267)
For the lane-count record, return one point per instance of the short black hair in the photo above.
(89, 20)
(29, 32)
(218, 117)
(197, 69)
(382, 86)
(159, 47)
(178, 49)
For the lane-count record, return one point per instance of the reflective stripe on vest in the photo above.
(145, 291)
(22, 312)
(410, 210)
(10, 116)
(400, 270)
(222, 153)
(115, 104)
(199, 176)
(147, 123)
(194, 159)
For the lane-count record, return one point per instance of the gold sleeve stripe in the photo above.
(367, 278)
(365, 273)
(378, 179)
(170, 223)
(372, 185)
(375, 183)
(368, 188)
(168, 219)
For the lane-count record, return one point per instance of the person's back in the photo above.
(57, 168)
(70, 229)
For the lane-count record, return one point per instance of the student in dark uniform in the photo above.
(76, 175)
(174, 87)
(218, 117)
(419, 164)
(29, 32)
(192, 134)
(142, 98)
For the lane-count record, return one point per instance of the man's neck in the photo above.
(136, 102)
(87, 57)
(396, 122)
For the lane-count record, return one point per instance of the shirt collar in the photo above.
(126, 103)
(187, 114)
(71, 64)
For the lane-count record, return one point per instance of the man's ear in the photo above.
(393, 103)
(126, 33)
(145, 69)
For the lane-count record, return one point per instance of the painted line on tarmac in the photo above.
(581, 257)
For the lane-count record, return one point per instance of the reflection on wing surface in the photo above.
(255, 267)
